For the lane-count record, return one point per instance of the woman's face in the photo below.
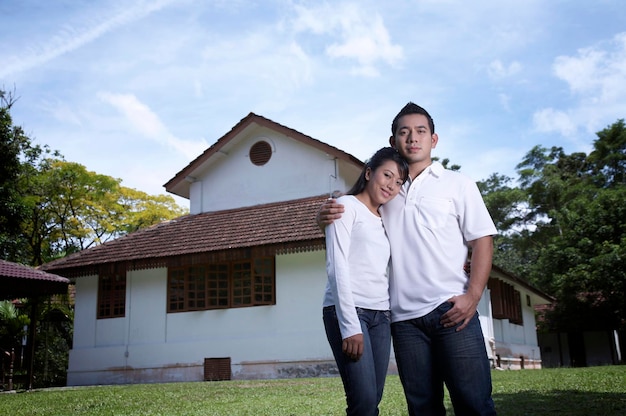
(384, 183)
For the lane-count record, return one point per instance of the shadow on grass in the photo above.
(565, 402)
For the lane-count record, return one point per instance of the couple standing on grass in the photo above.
(428, 302)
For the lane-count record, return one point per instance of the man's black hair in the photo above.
(412, 108)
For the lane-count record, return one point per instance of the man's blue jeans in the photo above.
(427, 355)
(363, 380)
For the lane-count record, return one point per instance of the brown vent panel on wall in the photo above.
(260, 153)
(216, 369)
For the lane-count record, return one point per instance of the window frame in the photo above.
(506, 302)
(111, 295)
(225, 284)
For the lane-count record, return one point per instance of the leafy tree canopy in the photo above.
(13, 143)
(564, 228)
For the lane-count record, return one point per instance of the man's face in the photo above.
(413, 138)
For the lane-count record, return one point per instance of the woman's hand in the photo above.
(353, 346)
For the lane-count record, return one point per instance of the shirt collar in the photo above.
(435, 169)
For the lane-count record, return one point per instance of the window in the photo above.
(232, 284)
(112, 295)
(217, 287)
(506, 302)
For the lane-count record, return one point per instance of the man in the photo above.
(432, 224)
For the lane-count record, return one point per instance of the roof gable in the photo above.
(180, 184)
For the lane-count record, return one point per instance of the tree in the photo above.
(577, 246)
(507, 206)
(140, 210)
(54, 340)
(12, 324)
(72, 209)
(446, 164)
(19, 159)
(585, 266)
(13, 142)
(608, 158)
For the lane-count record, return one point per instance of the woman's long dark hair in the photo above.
(380, 157)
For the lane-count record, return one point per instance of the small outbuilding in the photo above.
(18, 281)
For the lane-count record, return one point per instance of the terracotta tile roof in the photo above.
(20, 281)
(275, 223)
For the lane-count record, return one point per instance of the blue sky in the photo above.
(138, 89)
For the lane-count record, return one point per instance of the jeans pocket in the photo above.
(444, 307)
(387, 315)
(329, 312)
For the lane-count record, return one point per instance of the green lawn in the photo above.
(572, 392)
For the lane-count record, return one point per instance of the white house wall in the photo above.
(149, 345)
(485, 317)
(282, 340)
(85, 312)
(294, 171)
(517, 345)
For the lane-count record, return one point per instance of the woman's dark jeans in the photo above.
(363, 380)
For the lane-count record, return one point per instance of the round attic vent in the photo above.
(260, 153)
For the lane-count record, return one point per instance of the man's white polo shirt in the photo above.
(428, 225)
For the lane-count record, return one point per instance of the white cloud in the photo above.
(551, 120)
(148, 124)
(362, 35)
(596, 77)
(504, 101)
(71, 38)
(595, 74)
(263, 59)
(498, 70)
(580, 72)
(62, 112)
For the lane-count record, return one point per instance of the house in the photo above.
(234, 289)
(510, 326)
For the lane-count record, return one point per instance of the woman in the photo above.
(356, 303)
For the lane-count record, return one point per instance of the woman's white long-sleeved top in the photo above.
(357, 256)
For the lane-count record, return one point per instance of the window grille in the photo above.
(112, 295)
(232, 284)
(506, 302)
